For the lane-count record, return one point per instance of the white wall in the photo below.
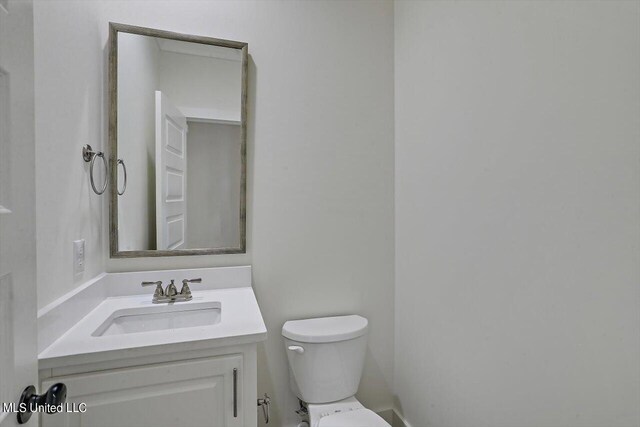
(138, 80)
(517, 207)
(320, 202)
(210, 86)
(213, 185)
(70, 111)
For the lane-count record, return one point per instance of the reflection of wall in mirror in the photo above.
(202, 87)
(213, 185)
(138, 79)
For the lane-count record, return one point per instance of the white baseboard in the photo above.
(387, 414)
(394, 418)
(399, 421)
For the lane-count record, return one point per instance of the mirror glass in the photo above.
(180, 141)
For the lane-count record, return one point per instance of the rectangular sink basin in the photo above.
(160, 317)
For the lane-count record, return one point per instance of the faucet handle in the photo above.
(186, 291)
(159, 282)
(159, 292)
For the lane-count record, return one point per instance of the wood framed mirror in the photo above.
(177, 143)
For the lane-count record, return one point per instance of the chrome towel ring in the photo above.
(124, 169)
(104, 162)
(88, 155)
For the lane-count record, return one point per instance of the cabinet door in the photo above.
(195, 393)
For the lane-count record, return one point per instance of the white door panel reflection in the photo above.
(171, 169)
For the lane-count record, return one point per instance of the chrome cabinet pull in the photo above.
(124, 169)
(235, 392)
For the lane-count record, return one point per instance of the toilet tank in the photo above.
(326, 356)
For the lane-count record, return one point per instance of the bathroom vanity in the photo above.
(136, 363)
(133, 356)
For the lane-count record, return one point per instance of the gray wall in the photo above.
(213, 185)
(517, 213)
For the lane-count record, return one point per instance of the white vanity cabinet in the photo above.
(162, 370)
(210, 391)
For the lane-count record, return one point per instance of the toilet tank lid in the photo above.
(325, 329)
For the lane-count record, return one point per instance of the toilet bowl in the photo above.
(326, 357)
(344, 413)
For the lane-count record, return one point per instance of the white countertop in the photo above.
(241, 323)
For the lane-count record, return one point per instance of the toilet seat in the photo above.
(362, 417)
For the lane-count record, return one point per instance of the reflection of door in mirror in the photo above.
(171, 174)
(197, 169)
(180, 131)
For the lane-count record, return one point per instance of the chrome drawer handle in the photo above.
(235, 392)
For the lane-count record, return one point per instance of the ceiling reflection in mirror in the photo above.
(180, 137)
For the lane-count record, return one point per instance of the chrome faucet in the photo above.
(170, 294)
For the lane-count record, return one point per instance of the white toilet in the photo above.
(326, 357)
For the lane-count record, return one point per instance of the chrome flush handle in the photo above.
(296, 348)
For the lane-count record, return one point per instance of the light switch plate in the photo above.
(78, 256)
